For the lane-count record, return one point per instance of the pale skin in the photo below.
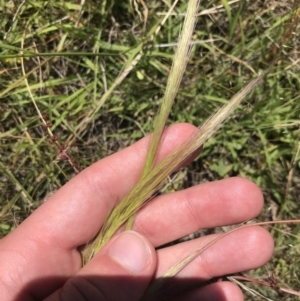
(40, 259)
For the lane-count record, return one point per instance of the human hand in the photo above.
(40, 259)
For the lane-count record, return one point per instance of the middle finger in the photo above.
(172, 216)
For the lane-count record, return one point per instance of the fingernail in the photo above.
(130, 250)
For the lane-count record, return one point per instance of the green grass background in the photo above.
(73, 52)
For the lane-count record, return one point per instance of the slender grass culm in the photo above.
(128, 206)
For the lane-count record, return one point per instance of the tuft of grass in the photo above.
(74, 53)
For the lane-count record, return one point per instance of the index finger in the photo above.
(75, 213)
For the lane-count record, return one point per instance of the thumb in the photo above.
(121, 270)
